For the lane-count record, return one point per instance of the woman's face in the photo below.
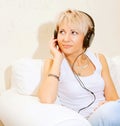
(70, 39)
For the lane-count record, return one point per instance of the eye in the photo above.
(62, 32)
(74, 33)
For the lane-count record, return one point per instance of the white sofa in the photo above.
(19, 105)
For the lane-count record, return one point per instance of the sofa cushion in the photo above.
(26, 76)
(114, 67)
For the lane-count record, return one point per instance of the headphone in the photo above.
(89, 35)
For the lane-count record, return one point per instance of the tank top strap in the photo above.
(94, 59)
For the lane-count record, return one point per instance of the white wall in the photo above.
(27, 25)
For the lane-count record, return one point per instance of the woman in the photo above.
(80, 78)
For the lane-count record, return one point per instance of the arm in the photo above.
(110, 91)
(49, 84)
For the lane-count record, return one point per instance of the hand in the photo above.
(100, 104)
(55, 50)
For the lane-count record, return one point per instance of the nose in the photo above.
(67, 37)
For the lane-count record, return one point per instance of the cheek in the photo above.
(60, 45)
(79, 40)
(60, 38)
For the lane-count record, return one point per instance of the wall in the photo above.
(27, 25)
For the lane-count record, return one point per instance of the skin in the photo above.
(70, 41)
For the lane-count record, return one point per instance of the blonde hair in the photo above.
(77, 18)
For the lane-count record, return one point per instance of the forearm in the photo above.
(49, 86)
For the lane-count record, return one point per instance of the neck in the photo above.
(72, 58)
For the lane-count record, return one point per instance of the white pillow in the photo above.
(26, 75)
(114, 66)
(21, 110)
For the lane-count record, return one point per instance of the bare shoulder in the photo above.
(102, 58)
(103, 61)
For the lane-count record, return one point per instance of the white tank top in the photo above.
(73, 96)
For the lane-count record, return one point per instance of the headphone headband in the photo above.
(89, 18)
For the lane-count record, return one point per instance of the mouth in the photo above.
(66, 46)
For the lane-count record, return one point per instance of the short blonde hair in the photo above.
(77, 18)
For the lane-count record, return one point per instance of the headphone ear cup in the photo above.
(55, 34)
(88, 38)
